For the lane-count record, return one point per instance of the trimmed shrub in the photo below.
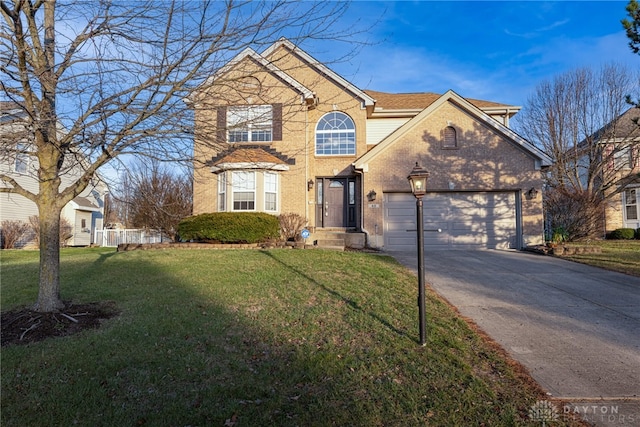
(622, 234)
(638, 233)
(229, 227)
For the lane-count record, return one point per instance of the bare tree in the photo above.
(100, 79)
(582, 120)
(156, 198)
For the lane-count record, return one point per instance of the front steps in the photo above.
(337, 239)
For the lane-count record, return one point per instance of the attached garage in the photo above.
(465, 220)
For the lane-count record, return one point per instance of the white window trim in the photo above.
(266, 190)
(250, 119)
(222, 192)
(22, 158)
(237, 188)
(332, 131)
(625, 204)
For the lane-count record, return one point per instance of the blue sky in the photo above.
(497, 51)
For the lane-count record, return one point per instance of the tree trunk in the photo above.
(49, 286)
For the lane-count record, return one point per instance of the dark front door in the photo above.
(334, 203)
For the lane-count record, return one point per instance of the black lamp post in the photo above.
(418, 180)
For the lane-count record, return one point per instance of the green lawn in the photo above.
(617, 255)
(253, 338)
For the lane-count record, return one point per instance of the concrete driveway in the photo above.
(576, 328)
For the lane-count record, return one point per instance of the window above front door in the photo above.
(335, 135)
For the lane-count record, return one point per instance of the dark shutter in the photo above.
(221, 125)
(277, 122)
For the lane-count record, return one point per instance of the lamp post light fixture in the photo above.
(418, 180)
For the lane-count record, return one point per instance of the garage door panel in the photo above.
(401, 225)
(466, 220)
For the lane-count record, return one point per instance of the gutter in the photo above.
(362, 196)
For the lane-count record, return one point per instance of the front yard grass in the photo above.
(617, 255)
(253, 338)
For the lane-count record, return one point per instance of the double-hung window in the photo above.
(222, 192)
(623, 158)
(270, 191)
(21, 164)
(250, 123)
(631, 204)
(243, 184)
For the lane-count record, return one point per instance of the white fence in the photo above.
(112, 238)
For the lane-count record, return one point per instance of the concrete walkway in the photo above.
(576, 328)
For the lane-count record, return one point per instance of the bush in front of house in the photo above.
(622, 234)
(66, 230)
(11, 232)
(291, 224)
(229, 227)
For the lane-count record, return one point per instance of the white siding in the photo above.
(379, 129)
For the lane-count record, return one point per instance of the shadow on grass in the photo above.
(201, 341)
(354, 305)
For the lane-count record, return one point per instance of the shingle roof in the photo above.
(417, 101)
(625, 126)
(249, 154)
(83, 202)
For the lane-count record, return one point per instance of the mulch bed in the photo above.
(23, 326)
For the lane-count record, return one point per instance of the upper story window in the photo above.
(335, 135)
(250, 123)
(449, 137)
(21, 164)
(623, 158)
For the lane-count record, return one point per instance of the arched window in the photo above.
(335, 135)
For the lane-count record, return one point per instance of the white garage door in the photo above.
(483, 220)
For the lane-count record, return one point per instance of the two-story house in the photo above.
(84, 213)
(280, 132)
(621, 138)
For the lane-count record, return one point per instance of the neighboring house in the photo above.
(623, 135)
(280, 132)
(84, 213)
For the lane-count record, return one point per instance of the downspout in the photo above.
(362, 196)
(306, 161)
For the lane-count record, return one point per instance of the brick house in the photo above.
(280, 132)
(622, 209)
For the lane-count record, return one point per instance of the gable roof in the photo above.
(321, 68)
(84, 204)
(451, 96)
(421, 100)
(256, 57)
(627, 125)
